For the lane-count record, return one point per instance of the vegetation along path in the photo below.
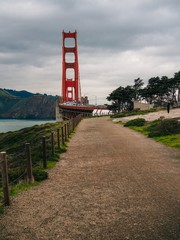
(112, 183)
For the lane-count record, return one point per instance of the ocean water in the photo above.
(7, 125)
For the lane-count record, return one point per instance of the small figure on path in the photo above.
(168, 106)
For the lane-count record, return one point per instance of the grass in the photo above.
(14, 144)
(3, 93)
(141, 129)
(11, 140)
(170, 140)
(13, 190)
(21, 187)
(51, 164)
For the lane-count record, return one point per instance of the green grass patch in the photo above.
(170, 140)
(166, 131)
(141, 129)
(14, 144)
(51, 164)
(21, 187)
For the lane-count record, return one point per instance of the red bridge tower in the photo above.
(70, 86)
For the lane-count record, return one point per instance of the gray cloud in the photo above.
(118, 42)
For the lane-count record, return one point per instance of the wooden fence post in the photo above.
(68, 129)
(30, 177)
(73, 124)
(52, 143)
(5, 182)
(58, 138)
(65, 132)
(62, 135)
(44, 152)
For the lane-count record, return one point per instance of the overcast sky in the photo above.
(118, 41)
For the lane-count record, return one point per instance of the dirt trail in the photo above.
(174, 113)
(112, 183)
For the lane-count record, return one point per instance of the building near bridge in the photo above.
(142, 106)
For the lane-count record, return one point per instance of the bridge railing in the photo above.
(34, 157)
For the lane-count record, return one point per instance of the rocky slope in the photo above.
(25, 105)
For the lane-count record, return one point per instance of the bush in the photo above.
(135, 122)
(39, 174)
(152, 125)
(165, 127)
(14, 174)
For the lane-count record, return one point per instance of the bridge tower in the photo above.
(70, 86)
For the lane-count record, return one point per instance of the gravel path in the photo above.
(174, 113)
(112, 183)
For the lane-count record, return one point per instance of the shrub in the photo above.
(135, 122)
(118, 115)
(152, 125)
(165, 127)
(39, 174)
(14, 174)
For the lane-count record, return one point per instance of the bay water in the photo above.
(7, 125)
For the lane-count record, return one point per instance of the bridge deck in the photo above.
(81, 107)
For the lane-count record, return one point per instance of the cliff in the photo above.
(25, 105)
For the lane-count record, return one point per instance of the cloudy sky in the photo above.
(118, 41)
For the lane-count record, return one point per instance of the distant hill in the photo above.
(21, 94)
(26, 105)
(4, 93)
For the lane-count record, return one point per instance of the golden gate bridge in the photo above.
(71, 102)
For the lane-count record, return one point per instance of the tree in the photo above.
(177, 80)
(117, 98)
(157, 90)
(176, 85)
(163, 90)
(138, 83)
(121, 98)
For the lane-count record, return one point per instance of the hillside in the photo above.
(21, 94)
(4, 93)
(26, 105)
